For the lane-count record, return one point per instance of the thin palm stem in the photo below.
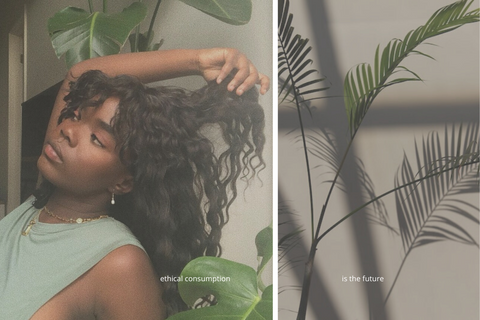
(397, 275)
(390, 191)
(304, 141)
(337, 174)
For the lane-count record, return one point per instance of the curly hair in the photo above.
(183, 186)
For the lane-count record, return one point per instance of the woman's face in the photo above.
(79, 156)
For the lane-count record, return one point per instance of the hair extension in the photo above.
(183, 186)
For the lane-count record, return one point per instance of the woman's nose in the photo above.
(69, 132)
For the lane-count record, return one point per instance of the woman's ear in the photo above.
(125, 185)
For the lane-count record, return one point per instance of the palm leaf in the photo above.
(426, 211)
(364, 82)
(430, 211)
(299, 81)
(322, 146)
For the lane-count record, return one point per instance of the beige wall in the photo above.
(10, 13)
(3, 114)
(438, 281)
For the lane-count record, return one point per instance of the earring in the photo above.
(113, 199)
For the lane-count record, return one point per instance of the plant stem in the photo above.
(307, 280)
(337, 174)
(90, 5)
(104, 6)
(307, 164)
(398, 274)
(302, 308)
(390, 191)
(309, 265)
(152, 21)
(304, 141)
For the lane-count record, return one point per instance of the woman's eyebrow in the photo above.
(105, 126)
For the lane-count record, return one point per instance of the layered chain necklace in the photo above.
(51, 214)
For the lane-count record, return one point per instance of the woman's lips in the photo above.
(52, 153)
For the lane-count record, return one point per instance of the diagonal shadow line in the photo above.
(334, 113)
(323, 308)
(363, 238)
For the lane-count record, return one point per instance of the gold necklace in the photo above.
(71, 220)
(31, 223)
(50, 213)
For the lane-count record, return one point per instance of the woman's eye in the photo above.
(96, 141)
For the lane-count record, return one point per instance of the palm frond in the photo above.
(322, 146)
(428, 212)
(299, 81)
(363, 83)
(378, 215)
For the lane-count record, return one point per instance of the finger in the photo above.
(264, 82)
(230, 57)
(245, 80)
(224, 72)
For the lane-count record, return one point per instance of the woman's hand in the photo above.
(217, 63)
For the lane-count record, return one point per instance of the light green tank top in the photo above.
(34, 268)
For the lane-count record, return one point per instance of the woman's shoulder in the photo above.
(124, 259)
(125, 275)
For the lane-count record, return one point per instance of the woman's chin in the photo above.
(45, 168)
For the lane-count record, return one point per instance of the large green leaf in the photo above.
(80, 35)
(237, 298)
(236, 12)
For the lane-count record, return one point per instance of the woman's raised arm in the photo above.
(212, 64)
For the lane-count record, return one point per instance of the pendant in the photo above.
(29, 227)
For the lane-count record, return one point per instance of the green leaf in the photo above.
(144, 44)
(264, 308)
(264, 243)
(237, 298)
(80, 35)
(235, 12)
